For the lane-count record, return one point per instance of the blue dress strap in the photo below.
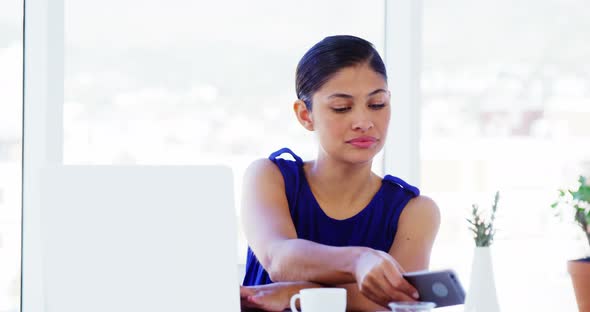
(403, 184)
(286, 150)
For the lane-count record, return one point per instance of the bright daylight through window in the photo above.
(506, 93)
(176, 93)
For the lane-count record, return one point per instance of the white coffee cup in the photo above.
(320, 300)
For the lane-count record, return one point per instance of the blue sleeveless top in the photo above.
(374, 226)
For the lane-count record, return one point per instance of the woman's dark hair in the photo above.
(329, 56)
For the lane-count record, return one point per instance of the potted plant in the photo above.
(481, 296)
(579, 269)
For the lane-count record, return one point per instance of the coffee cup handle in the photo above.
(293, 300)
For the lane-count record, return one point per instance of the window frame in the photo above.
(43, 67)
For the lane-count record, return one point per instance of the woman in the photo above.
(332, 222)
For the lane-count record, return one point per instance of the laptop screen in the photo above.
(138, 239)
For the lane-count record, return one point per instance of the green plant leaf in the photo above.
(579, 201)
(483, 229)
(582, 194)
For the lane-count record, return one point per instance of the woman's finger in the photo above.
(400, 296)
(262, 302)
(376, 296)
(399, 283)
(245, 303)
(255, 299)
(380, 290)
(246, 291)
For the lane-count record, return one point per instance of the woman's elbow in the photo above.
(275, 264)
(276, 270)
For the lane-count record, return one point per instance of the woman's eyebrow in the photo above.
(376, 91)
(348, 96)
(340, 95)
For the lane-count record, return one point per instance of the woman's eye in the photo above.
(377, 106)
(341, 109)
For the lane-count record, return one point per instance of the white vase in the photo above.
(481, 296)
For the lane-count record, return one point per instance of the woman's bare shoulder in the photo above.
(422, 209)
(262, 168)
(264, 175)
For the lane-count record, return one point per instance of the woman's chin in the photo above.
(361, 156)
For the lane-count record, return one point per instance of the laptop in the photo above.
(138, 238)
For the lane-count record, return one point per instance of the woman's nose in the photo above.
(362, 122)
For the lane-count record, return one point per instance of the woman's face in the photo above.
(350, 114)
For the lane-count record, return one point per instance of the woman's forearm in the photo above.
(356, 301)
(303, 260)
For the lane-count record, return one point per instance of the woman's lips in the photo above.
(363, 142)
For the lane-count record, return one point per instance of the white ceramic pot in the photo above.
(481, 296)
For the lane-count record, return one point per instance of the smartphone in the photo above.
(441, 287)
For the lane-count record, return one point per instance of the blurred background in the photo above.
(505, 90)
(11, 76)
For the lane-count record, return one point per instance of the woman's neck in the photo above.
(332, 179)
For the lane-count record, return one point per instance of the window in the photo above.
(177, 82)
(505, 107)
(504, 95)
(11, 68)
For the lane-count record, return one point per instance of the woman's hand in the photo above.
(271, 297)
(379, 278)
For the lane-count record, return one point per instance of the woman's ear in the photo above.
(303, 115)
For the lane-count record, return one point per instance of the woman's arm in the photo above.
(271, 235)
(356, 301)
(417, 228)
(272, 297)
(276, 296)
